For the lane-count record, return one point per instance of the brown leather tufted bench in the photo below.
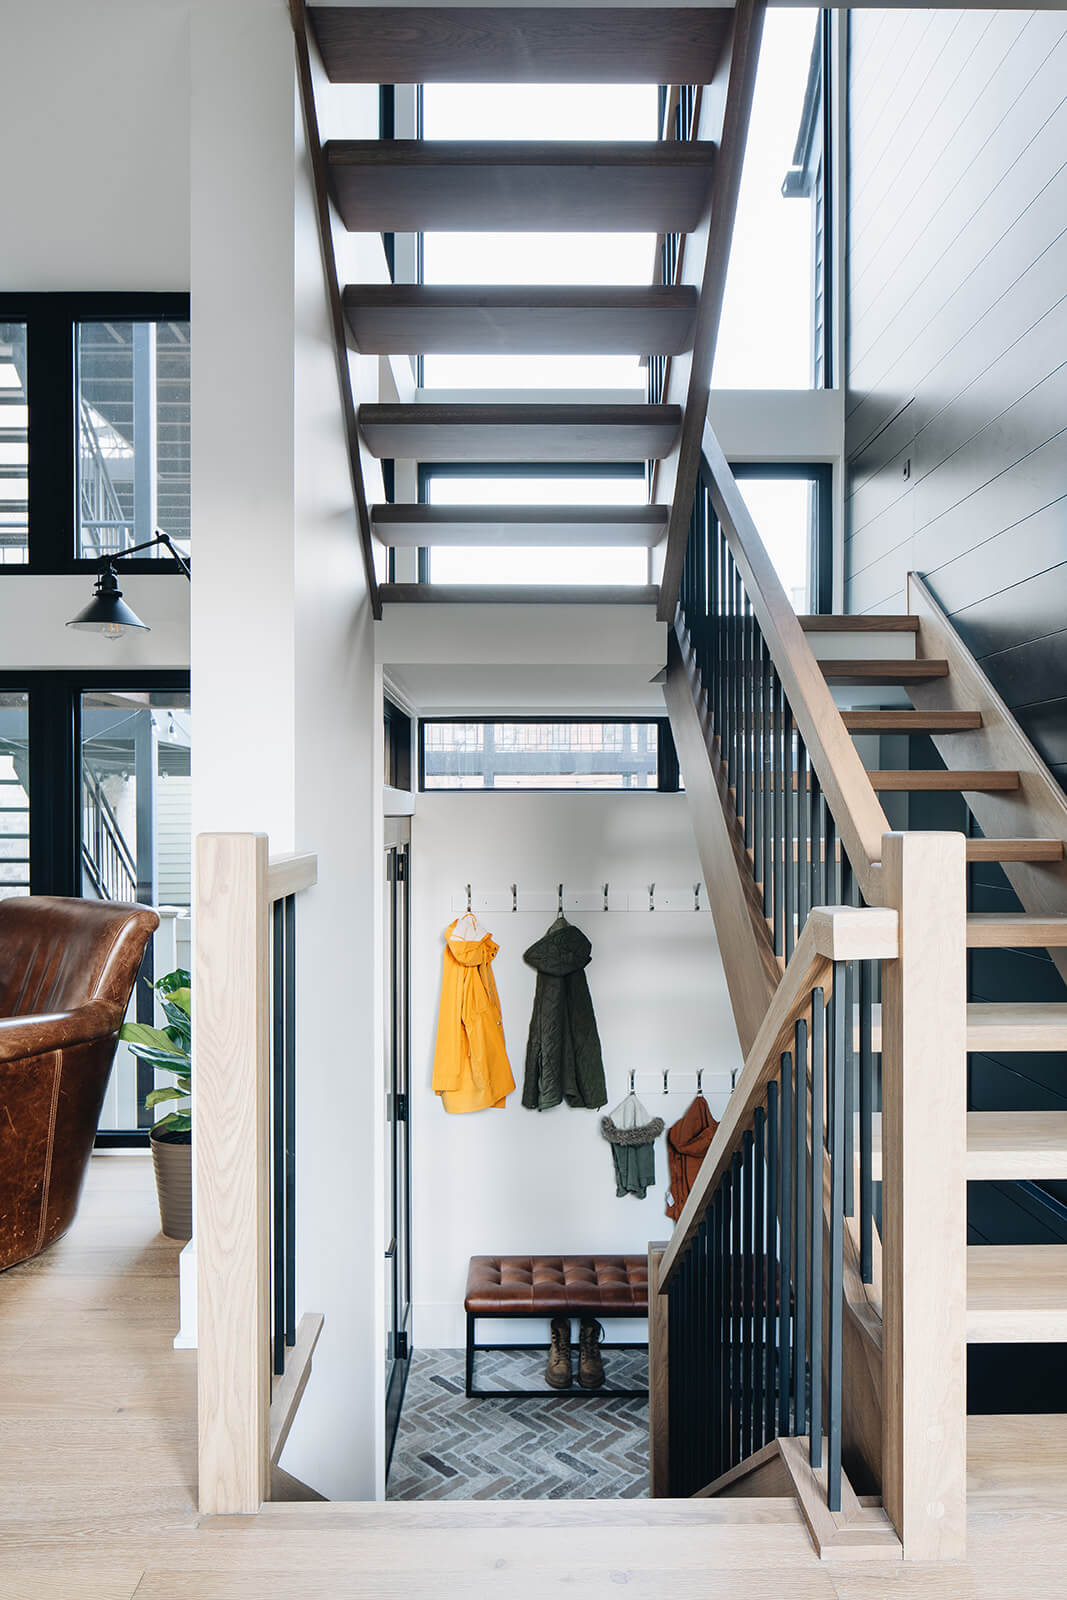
(552, 1286)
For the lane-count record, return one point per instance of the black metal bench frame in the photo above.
(546, 1392)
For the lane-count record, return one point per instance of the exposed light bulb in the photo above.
(113, 630)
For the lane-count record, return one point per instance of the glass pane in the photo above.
(765, 338)
(14, 449)
(785, 511)
(540, 755)
(531, 564)
(133, 434)
(14, 795)
(537, 111)
(137, 845)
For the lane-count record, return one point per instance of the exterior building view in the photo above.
(533, 751)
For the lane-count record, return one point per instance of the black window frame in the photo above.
(668, 778)
(821, 552)
(52, 432)
(55, 844)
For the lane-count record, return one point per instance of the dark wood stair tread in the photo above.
(519, 432)
(898, 623)
(520, 594)
(495, 44)
(417, 525)
(421, 319)
(889, 672)
(911, 721)
(531, 186)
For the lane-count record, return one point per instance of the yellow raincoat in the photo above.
(470, 1064)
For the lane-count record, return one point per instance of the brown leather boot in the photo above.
(590, 1363)
(558, 1367)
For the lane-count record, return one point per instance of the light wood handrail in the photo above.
(856, 810)
(289, 874)
(831, 933)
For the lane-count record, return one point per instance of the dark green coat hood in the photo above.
(563, 1056)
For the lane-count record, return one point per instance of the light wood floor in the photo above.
(97, 1480)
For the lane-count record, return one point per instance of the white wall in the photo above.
(517, 1181)
(95, 118)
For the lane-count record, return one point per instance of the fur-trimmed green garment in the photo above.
(563, 1056)
(632, 1134)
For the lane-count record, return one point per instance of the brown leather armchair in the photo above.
(67, 968)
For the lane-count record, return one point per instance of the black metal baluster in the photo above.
(837, 1234)
(736, 746)
(803, 835)
(714, 1339)
(290, 1119)
(800, 1203)
(701, 1475)
(779, 813)
(747, 1263)
(674, 1383)
(785, 1213)
(771, 1248)
(818, 1085)
(768, 785)
(866, 987)
(848, 1132)
(737, 1332)
(815, 865)
(790, 844)
(278, 987)
(829, 869)
(759, 870)
(759, 1288)
(680, 1439)
(744, 758)
(726, 1287)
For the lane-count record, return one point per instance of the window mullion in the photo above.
(52, 438)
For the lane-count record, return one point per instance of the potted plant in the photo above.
(168, 1049)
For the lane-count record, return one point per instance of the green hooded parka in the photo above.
(563, 1057)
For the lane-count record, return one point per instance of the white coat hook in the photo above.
(559, 902)
(733, 1079)
(696, 897)
(652, 897)
(514, 897)
(605, 897)
(666, 1085)
(700, 1080)
(632, 1075)
(468, 897)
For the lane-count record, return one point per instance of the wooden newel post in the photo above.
(231, 1032)
(924, 1196)
(658, 1382)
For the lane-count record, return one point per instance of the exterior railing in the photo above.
(106, 857)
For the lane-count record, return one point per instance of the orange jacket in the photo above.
(687, 1145)
(470, 1064)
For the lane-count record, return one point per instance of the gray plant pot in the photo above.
(173, 1163)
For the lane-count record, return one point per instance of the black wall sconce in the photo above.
(107, 612)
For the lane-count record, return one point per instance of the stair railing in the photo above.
(866, 1038)
(106, 857)
(254, 1356)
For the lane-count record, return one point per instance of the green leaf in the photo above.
(172, 981)
(162, 1060)
(177, 1003)
(143, 1033)
(177, 1122)
(158, 1096)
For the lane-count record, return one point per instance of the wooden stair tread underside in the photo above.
(1020, 1145)
(897, 622)
(517, 432)
(916, 779)
(1015, 930)
(1015, 1026)
(520, 594)
(495, 44)
(417, 525)
(860, 671)
(1016, 1293)
(421, 319)
(529, 186)
(911, 721)
(1015, 850)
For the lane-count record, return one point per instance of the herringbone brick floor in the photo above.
(565, 1447)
